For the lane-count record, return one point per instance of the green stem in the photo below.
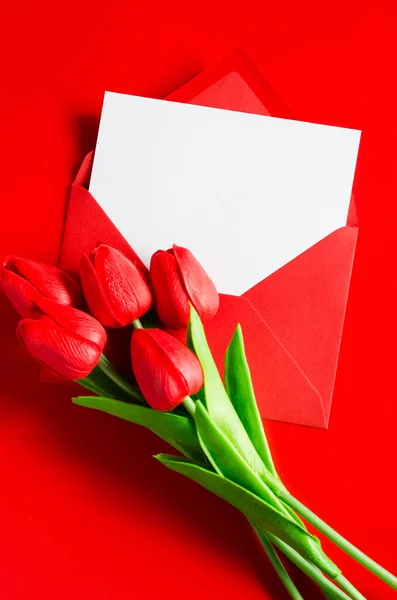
(340, 541)
(86, 383)
(349, 587)
(313, 572)
(278, 565)
(123, 384)
(137, 324)
(190, 405)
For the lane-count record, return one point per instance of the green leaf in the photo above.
(241, 393)
(99, 383)
(219, 406)
(215, 396)
(227, 461)
(128, 388)
(177, 430)
(195, 456)
(88, 385)
(264, 516)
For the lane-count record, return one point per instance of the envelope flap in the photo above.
(283, 391)
(84, 173)
(86, 226)
(304, 303)
(234, 83)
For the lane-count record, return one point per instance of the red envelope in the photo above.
(293, 320)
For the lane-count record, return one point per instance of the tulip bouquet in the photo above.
(176, 390)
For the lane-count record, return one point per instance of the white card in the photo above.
(245, 193)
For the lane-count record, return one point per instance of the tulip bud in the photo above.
(26, 280)
(116, 291)
(178, 281)
(66, 340)
(166, 370)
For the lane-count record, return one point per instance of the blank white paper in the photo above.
(245, 193)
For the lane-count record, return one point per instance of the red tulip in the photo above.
(166, 370)
(26, 280)
(64, 339)
(116, 291)
(178, 280)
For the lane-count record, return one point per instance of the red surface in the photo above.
(84, 510)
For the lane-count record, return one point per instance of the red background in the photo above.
(84, 510)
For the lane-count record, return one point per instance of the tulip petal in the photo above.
(65, 354)
(49, 280)
(20, 293)
(124, 285)
(95, 295)
(171, 299)
(200, 288)
(166, 370)
(75, 322)
(181, 357)
(161, 384)
(178, 334)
